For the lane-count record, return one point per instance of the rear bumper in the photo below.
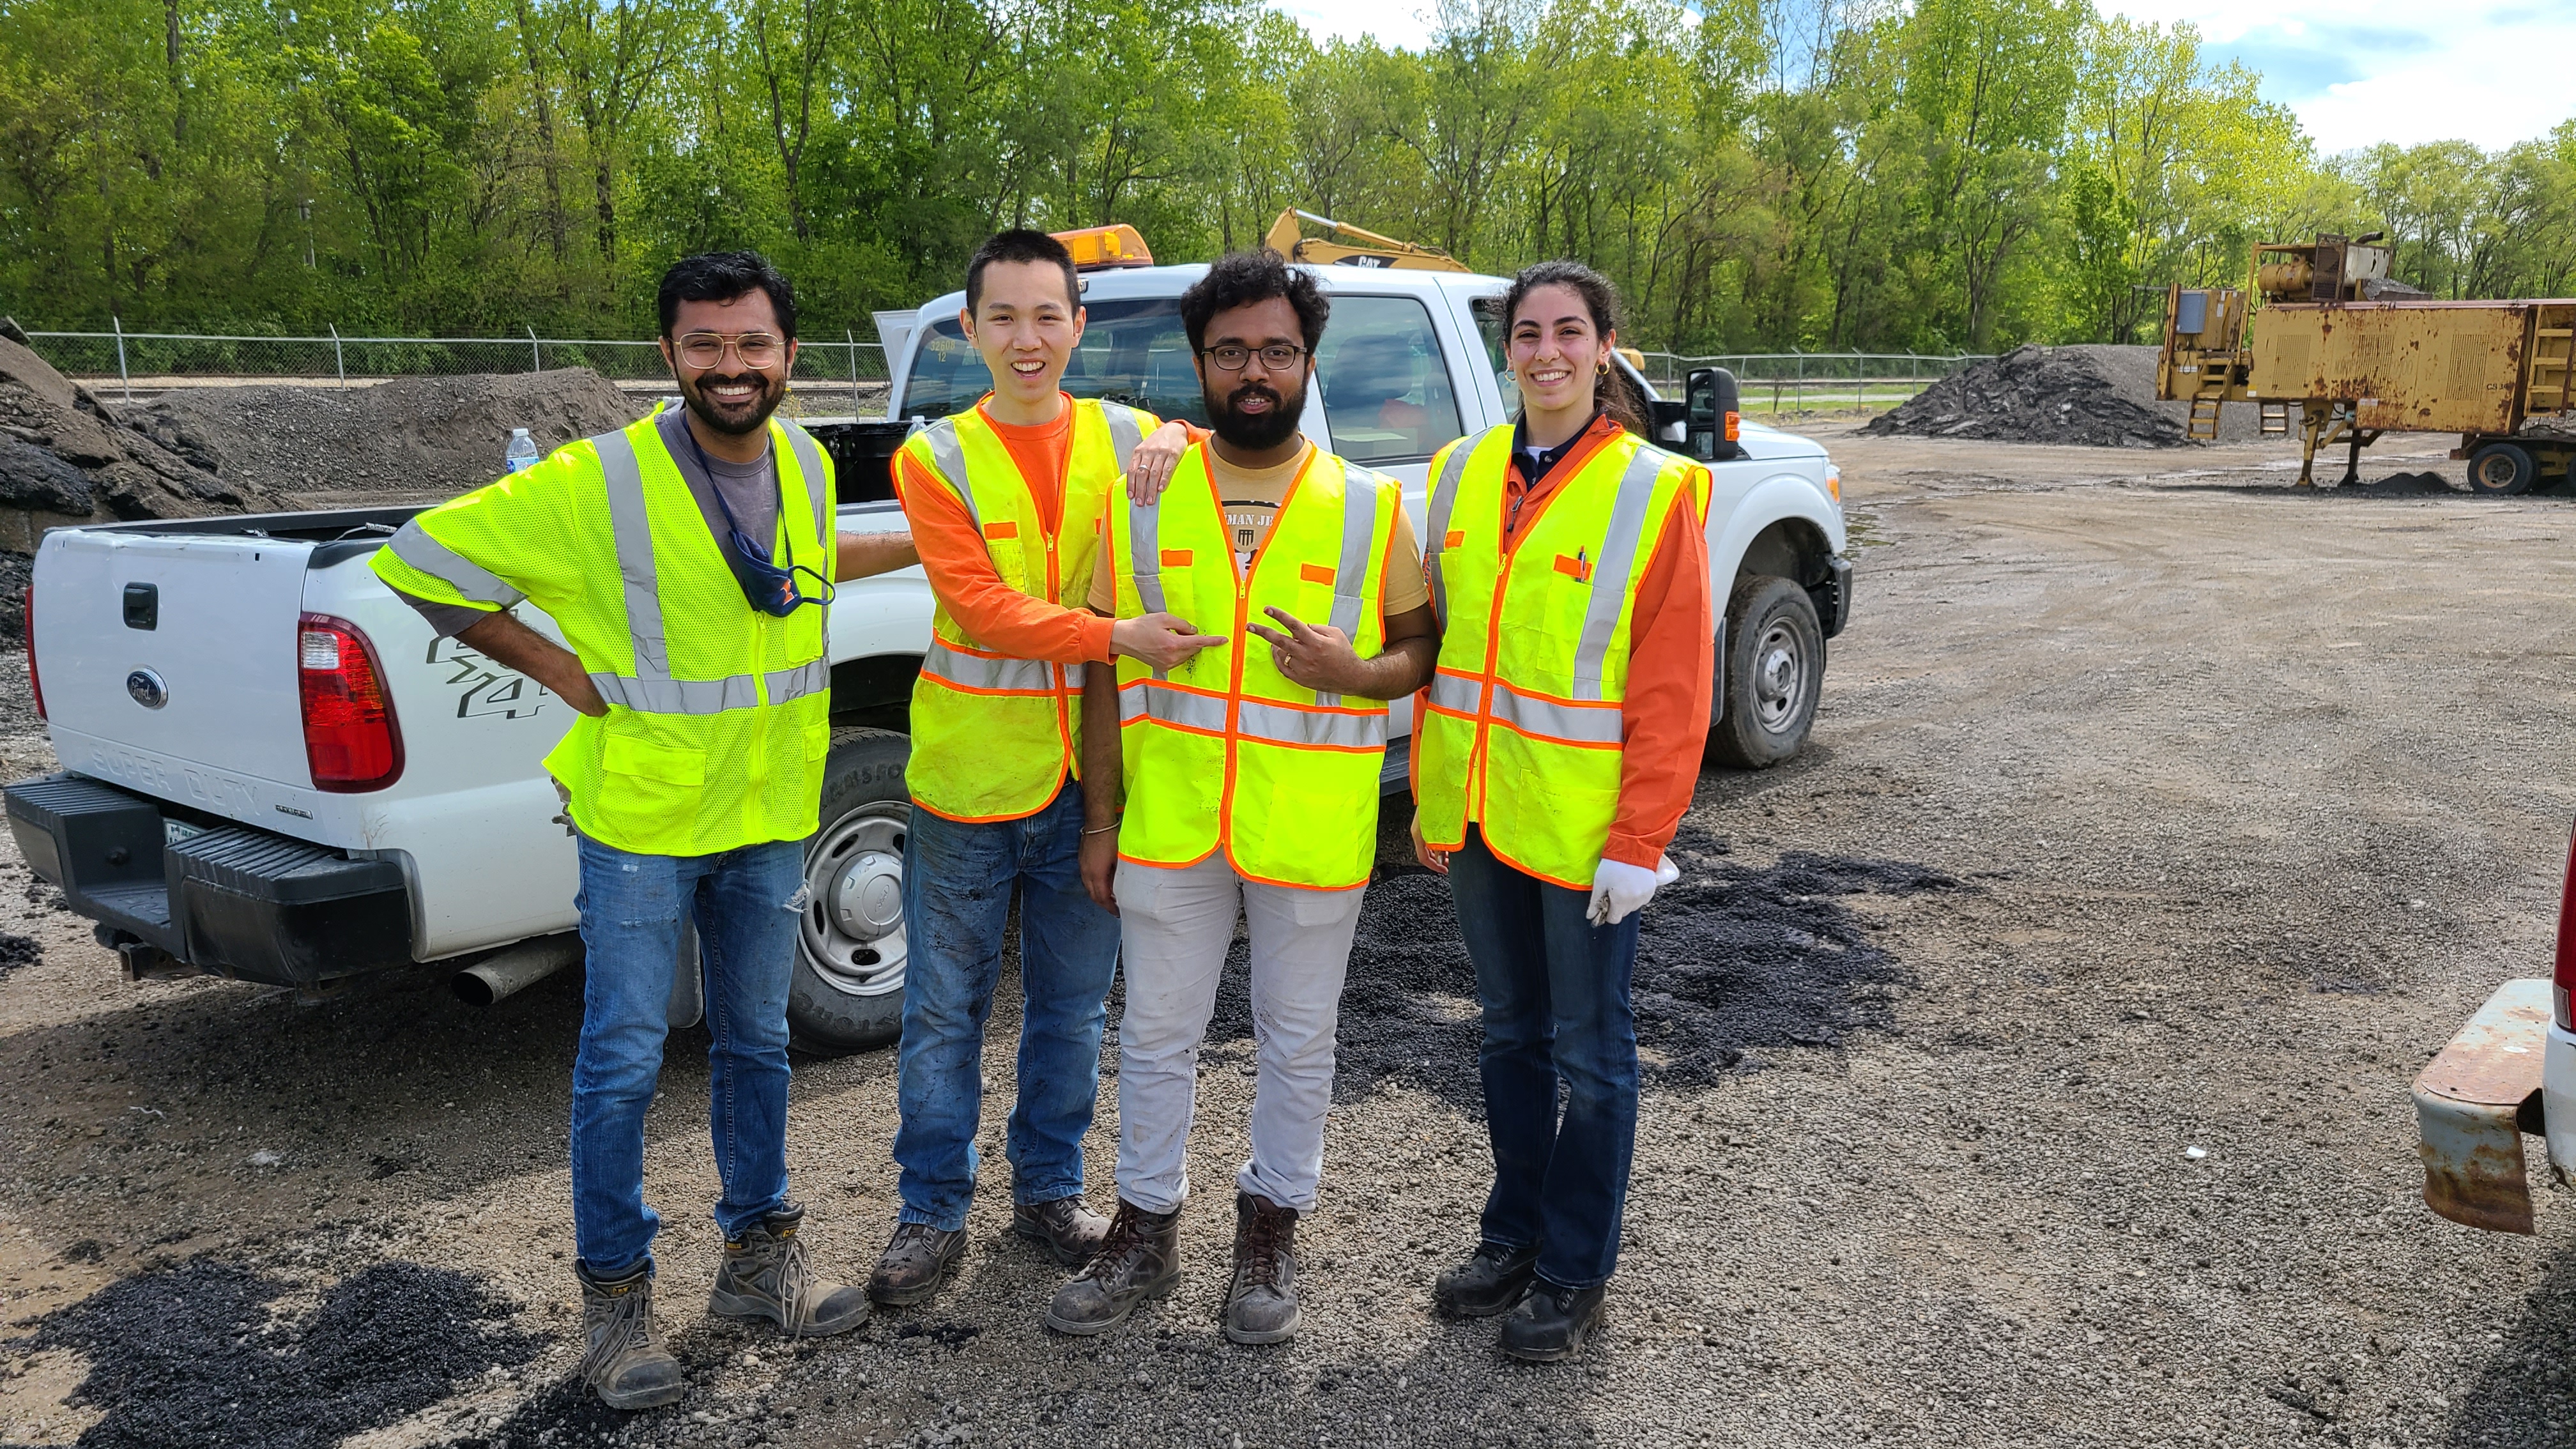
(229, 899)
(2475, 1102)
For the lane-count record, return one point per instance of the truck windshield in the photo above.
(1132, 352)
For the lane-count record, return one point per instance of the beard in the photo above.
(736, 421)
(1261, 431)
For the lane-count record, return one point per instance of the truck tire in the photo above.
(1775, 671)
(847, 994)
(2500, 470)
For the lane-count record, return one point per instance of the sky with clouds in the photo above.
(2356, 71)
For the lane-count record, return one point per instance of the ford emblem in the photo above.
(147, 689)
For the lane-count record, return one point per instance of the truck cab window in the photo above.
(1386, 387)
(1489, 328)
(1132, 352)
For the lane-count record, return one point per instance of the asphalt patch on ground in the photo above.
(205, 1355)
(17, 951)
(1733, 958)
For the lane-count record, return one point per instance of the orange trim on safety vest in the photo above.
(1315, 573)
(1006, 528)
(1178, 558)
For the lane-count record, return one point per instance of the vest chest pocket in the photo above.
(651, 760)
(647, 789)
(1010, 556)
(1315, 596)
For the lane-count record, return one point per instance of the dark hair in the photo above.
(1020, 245)
(1239, 279)
(1612, 389)
(723, 276)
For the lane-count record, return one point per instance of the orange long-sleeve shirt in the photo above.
(1671, 665)
(953, 553)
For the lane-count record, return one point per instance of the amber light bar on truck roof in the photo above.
(1095, 247)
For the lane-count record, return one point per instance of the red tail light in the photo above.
(35, 686)
(350, 737)
(2564, 974)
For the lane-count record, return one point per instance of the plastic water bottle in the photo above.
(522, 452)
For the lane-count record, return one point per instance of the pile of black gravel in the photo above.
(2098, 396)
(17, 951)
(200, 1356)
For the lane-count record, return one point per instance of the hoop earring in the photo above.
(1601, 368)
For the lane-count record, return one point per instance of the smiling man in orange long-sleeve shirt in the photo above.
(1005, 502)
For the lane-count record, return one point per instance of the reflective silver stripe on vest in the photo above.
(1145, 560)
(1458, 696)
(679, 696)
(813, 677)
(1618, 562)
(1350, 572)
(1125, 433)
(413, 545)
(948, 457)
(976, 671)
(809, 462)
(1597, 725)
(1444, 499)
(632, 530)
(1172, 707)
(1281, 724)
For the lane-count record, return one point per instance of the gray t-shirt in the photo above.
(750, 490)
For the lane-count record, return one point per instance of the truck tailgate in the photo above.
(204, 624)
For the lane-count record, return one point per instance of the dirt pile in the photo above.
(2099, 396)
(421, 437)
(66, 457)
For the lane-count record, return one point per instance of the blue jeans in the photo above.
(957, 884)
(1555, 993)
(747, 910)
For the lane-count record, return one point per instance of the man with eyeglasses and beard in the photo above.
(686, 560)
(1250, 781)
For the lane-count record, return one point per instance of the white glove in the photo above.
(1620, 890)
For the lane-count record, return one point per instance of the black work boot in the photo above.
(1551, 1322)
(623, 1358)
(1261, 1302)
(1489, 1282)
(1070, 1231)
(1139, 1259)
(912, 1264)
(765, 1276)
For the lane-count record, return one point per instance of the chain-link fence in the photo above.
(832, 375)
(1806, 382)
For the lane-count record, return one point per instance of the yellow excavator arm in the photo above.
(1350, 246)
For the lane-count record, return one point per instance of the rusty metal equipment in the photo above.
(2356, 355)
(2473, 1105)
(1350, 246)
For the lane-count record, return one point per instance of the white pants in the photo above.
(1175, 926)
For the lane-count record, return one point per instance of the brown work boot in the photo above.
(623, 1357)
(1070, 1231)
(765, 1276)
(1261, 1302)
(1139, 1259)
(912, 1264)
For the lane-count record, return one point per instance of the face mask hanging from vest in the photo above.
(769, 588)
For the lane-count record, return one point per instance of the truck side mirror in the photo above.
(1712, 421)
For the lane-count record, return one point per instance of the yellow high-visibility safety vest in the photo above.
(1520, 730)
(993, 737)
(1224, 752)
(719, 715)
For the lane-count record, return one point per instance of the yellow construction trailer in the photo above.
(2351, 354)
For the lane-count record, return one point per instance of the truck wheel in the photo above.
(2500, 470)
(848, 991)
(1775, 670)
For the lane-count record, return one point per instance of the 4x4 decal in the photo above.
(488, 689)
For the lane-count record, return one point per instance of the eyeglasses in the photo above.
(1278, 357)
(758, 350)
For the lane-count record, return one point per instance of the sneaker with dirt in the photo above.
(1489, 1282)
(910, 1268)
(1139, 1259)
(623, 1358)
(1551, 1323)
(1261, 1302)
(1071, 1232)
(765, 1275)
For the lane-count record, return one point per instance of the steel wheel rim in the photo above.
(852, 932)
(2496, 472)
(1779, 676)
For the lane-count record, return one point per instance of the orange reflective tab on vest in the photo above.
(1455, 538)
(1176, 558)
(1574, 566)
(1315, 573)
(1004, 529)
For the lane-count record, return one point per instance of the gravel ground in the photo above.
(2147, 811)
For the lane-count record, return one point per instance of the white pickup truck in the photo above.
(271, 770)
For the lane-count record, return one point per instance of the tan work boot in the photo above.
(1261, 1302)
(1140, 1259)
(1071, 1232)
(765, 1276)
(623, 1358)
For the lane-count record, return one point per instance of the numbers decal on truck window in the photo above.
(487, 689)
